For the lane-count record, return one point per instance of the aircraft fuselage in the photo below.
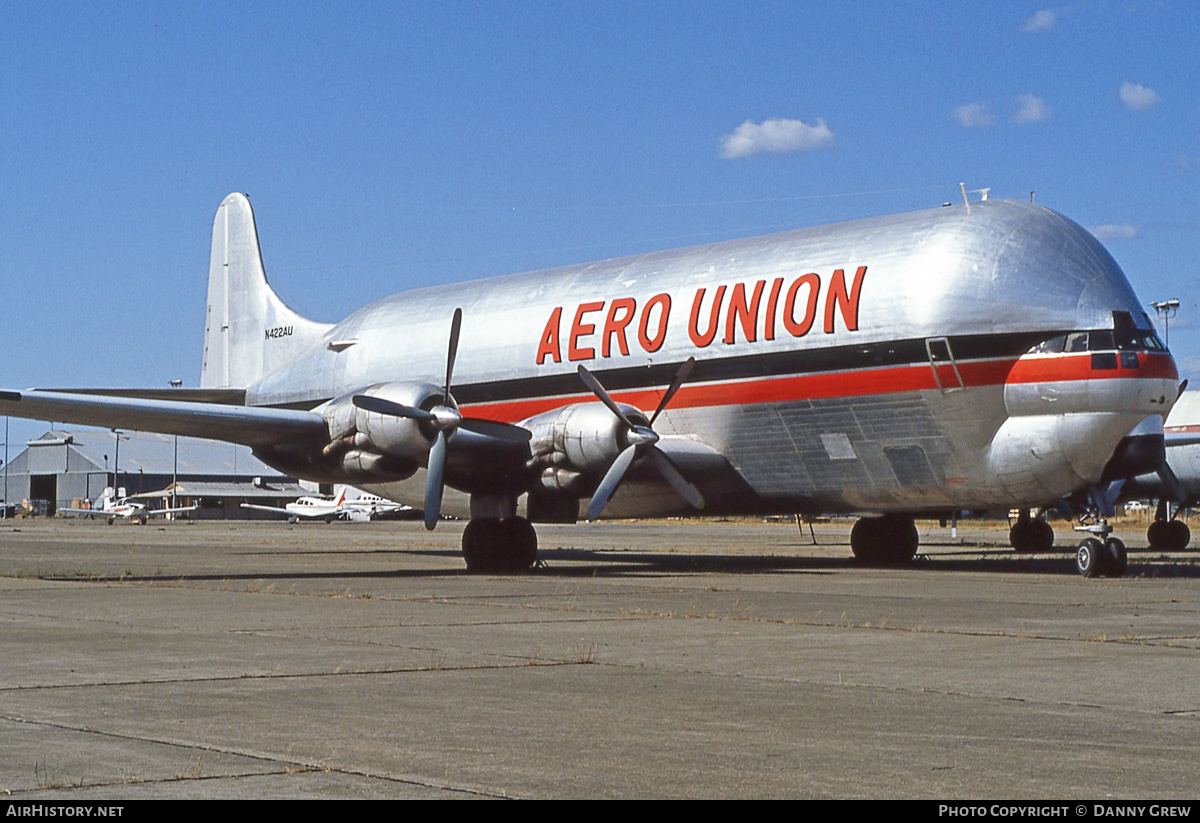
(880, 365)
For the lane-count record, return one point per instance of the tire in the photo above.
(891, 540)
(499, 546)
(1117, 559)
(1178, 535)
(1158, 535)
(903, 540)
(1020, 536)
(865, 541)
(1090, 558)
(1043, 536)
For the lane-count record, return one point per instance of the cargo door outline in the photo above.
(945, 367)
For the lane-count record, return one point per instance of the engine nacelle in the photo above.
(574, 446)
(369, 445)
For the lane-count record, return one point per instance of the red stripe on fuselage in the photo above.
(1051, 368)
(856, 383)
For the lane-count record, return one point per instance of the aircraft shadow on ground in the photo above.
(575, 562)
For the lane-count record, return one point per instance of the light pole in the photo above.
(117, 465)
(176, 383)
(4, 514)
(1166, 309)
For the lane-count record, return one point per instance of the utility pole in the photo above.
(1166, 309)
(4, 514)
(175, 470)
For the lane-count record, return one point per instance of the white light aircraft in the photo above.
(362, 507)
(984, 357)
(112, 505)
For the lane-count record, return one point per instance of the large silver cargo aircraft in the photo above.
(976, 357)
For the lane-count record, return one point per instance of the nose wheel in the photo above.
(1100, 554)
(1096, 558)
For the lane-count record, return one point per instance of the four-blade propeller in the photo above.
(444, 418)
(641, 440)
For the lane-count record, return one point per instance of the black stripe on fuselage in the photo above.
(889, 353)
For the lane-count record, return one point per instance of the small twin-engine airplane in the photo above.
(979, 357)
(362, 507)
(111, 504)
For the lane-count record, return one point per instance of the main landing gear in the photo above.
(1167, 533)
(503, 545)
(890, 540)
(1030, 534)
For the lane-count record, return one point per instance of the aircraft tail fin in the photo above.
(248, 331)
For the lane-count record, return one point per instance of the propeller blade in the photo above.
(592, 383)
(678, 482)
(381, 406)
(452, 352)
(680, 376)
(612, 479)
(433, 481)
(494, 429)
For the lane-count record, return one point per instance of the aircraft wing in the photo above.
(91, 512)
(248, 425)
(273, 509)
(179, 510)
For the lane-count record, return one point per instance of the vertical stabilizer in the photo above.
(248, 331)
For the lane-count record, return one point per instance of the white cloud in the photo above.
(1031, 109)
(1114, 231)
(1041, 21)
(974, 115)
(1137, 97)
(780, 136)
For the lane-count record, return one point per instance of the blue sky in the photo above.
(392, 145)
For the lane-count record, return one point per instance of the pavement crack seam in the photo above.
(283, 676)
(287, 766)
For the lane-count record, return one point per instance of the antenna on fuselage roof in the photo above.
(966, 202)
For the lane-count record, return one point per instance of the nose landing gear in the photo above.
(1101, 554)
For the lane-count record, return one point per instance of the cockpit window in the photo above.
(1077, 342)
(1052, 346)
(1125, 340)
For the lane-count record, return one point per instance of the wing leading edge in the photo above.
(248, 425)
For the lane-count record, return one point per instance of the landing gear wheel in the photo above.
(891, 540)
(1168, 535)
(1020, 536)
(1031, 536)
(1043, 536)
(1090, 558)
(491, 545)
(1178, 535)
(1158, 535)
(1117, 559)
